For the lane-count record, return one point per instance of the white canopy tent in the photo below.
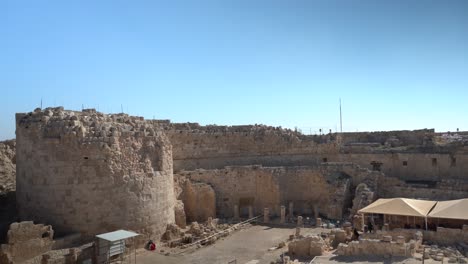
(454, 209)
(400, 206)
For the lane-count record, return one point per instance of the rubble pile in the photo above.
(452, 254)
(204, 233)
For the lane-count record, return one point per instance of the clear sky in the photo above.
(395, 64)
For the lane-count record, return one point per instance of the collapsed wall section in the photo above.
(91, 173)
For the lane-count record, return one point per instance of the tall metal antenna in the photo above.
(41, 102)
(121, 107)
(341, 120)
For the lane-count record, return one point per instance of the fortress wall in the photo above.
(261, 187)
(214, 147)
(406, 137)
(92, 173)
(419, 166)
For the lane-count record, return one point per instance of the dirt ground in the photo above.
(251, 246)
(245, 246)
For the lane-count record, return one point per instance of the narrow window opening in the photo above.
(325, 160)
(405, 163)
(85, 158)
(434, 162)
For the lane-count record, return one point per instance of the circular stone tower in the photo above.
(91, 173)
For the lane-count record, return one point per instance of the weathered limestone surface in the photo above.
(406, 155)
(447, 236)
(309, 246)
(26, 240)
(213, 147)
(375, 247)
(7, 166)
(179, 213)
(362, 198)
(91, 173)
(269, 187)
(199, 201)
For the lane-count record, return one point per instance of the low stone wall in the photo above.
(378, 247)
(398, 242)
(79, 255)
(443, 236)
(408, 234)
(447, 236)
(310, 246)
(26, 240)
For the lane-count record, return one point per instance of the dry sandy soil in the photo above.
(250, 246)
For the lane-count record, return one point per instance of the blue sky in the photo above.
(395, 64)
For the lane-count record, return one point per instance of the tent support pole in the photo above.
(363, 221)
(425, 220)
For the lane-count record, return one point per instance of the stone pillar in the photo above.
(291, 209)
(236, 212)
(299, 221)
(251, 214)
(318, 222)
(283, 214)
(266, 215)
(298, 231)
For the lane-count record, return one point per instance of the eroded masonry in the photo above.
(88, 172)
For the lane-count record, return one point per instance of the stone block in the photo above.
(387, 238)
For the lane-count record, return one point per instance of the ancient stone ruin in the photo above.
(86, 172)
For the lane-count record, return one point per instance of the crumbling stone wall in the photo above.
(199, 201)
(412, 165)
(7, 186)
(309, 246)
(214, 147)
(262, 187)
(376, 247)
(405, 137)
(91, 173)
(447, 236)
(389, 187)
(362, 198)
(26, 240)
(7, 166)
(407, 155)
